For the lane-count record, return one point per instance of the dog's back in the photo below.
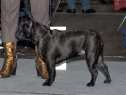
(62, 45)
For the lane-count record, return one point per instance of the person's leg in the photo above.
(9, 25)
(9, 19)
(40, 12)
(86, 6)
(71, 6)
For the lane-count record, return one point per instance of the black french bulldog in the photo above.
(56, 46)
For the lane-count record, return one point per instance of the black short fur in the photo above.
(56, 46)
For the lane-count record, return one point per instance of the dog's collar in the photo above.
(35, 42)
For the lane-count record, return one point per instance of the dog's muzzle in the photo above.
(20, 35)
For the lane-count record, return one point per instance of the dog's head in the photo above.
(24, 31)
(29, 29)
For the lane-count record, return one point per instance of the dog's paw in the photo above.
(46, 83)
(90, 84)
(107, 81)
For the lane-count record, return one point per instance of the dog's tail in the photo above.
(102, 47)
(101, 58)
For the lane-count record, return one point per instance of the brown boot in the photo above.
(10, 61)
(40, 65)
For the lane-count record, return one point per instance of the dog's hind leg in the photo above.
(91, 63)
(103, 68)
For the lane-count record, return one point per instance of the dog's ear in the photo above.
(29, 15)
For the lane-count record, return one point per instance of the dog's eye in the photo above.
(24, 30)
(28, 23)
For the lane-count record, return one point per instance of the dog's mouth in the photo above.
(22, 37)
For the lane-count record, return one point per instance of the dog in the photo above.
(56, 46)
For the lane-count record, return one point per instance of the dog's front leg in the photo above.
(52, 74)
